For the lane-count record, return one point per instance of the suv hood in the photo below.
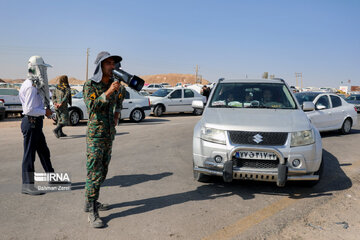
(261, 120)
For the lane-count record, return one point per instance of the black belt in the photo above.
(33, 117)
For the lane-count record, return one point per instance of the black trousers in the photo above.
(34, 141)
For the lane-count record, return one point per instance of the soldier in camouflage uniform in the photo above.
(104, 102)
(61, 98)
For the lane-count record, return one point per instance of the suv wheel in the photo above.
(74, 117)
(136, 115)
(158, 111)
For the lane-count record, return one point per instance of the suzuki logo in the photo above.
(258, 138)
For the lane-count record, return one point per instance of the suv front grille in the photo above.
(258, 138)
(247, 163)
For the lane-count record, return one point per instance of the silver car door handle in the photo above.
(130, 102)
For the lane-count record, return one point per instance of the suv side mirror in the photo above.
(197, 104)
(308, 106)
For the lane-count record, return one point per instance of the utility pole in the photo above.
(87, 63)
(298, 76)
(196, 74)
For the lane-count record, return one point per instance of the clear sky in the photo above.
(231, 39)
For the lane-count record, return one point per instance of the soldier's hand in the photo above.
(113, 87)
(48, 113)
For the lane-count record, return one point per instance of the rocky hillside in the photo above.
(171, 78)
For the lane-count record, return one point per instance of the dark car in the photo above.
(2, 110)
(354, 99)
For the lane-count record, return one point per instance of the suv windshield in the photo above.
(252, 95)
(161, 92)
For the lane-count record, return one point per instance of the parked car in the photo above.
(331, 111)
(144, 93)
(2, 110)
(343, 96)
(135, 107)
(11, 100)
(74, 91)
(166, 85)
(151, 88)
(255, 130)
(354, 99)
(170, 100)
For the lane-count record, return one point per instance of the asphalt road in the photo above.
(151, 189)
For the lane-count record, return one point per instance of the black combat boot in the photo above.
(93, 218)
(56, 131)
(61, 134)
(100, 206)
(31, 190)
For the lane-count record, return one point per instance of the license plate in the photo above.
(255, 155)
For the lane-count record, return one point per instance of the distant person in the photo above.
(267, 96)
(248, 97)
(205, 92)
(61, 100)
(33, 99)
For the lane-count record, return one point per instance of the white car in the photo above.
(135, 106)
(152, 88)
(11, 100)
(169, 100)
(331, 111)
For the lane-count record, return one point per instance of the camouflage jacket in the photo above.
(62, 96)
(101, 110)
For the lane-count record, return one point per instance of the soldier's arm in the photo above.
(66, 96)
(92, 101)
(120, 98)
(54, 97)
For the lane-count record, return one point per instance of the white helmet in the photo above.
(37, 61)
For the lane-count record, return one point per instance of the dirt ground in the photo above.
(339, 218)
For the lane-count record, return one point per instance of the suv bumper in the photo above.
(310, 157)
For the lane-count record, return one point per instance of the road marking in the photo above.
(249, 221)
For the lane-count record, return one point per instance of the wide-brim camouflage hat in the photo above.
(104, 55)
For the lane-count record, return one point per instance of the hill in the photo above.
(171, 78)
(72, 81)
(14, 80)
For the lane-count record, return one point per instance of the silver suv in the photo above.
(256, 130)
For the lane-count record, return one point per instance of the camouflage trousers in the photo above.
(62, 116)
(98, 155)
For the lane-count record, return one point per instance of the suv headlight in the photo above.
(213, 135)
(302, 138)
